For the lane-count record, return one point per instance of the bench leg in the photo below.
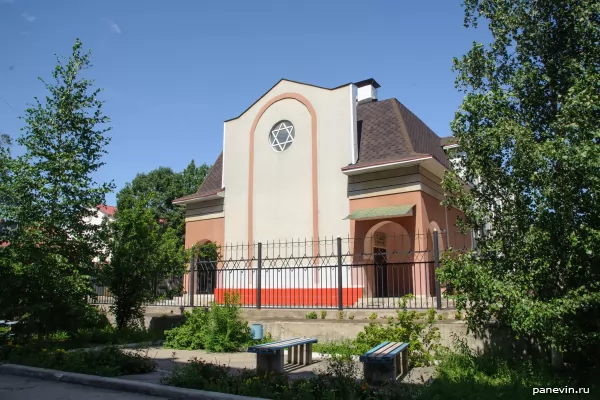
(405, 362)
(375, 374)
(296, 354)
(302, 354)
(269, 363)
(289, 355)
(308, 354)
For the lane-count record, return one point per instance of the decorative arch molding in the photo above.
(202, 242)
(368, 243)
(315, 187)
(434, 226)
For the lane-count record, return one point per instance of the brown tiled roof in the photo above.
(388, 131)
(448, 140)
(212, 184)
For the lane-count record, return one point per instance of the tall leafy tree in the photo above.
(530, 130)
(5, 140)
(165, 185)
(5, 157)
(192, 177)
(48, 264)
(142, 257)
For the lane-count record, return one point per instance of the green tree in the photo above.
(192, 177)
(167, 186)
(141, 256)
(530, 127)
(5, 158)
(5, 140)
(47, 266)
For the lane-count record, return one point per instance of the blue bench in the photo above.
(385, 362)
(269, 356)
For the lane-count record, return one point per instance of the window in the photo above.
(282, 135)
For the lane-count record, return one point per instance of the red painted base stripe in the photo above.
(327, 297)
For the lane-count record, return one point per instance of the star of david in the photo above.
(282, 136)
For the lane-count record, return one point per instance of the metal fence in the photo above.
(374, 272)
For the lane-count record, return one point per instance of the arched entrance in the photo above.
(388, 250)
(206, 268)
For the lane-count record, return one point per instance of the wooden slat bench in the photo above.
(269, 356)
(385, 362)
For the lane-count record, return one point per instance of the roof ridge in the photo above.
(427, 138)
(208, 173)
(419, 119)
(405, 132)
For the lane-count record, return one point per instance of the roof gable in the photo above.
(275, 85)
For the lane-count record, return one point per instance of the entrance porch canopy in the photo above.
(404, 210)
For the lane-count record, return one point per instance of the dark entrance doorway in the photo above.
(381, 272)
(207, 276)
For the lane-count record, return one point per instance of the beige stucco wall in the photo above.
(283, 180)
(333, 110)
(335, 152)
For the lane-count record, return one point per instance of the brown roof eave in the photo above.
(196, 197)
(400, 161)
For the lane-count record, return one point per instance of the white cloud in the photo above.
(28, 17)
(114, 28)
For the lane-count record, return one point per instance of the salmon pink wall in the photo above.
(206, 230)
(200, 232)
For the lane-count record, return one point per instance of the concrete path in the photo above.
(14, 387)
(166, 359)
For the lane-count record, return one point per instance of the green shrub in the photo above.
(225, 329)
(323, 314)
(218, 329)
(108, 361)
(344, 347)
(410, 327)
(95, 318)
(463, 374)
(189, 335)
(373, 316)
(311, 315)
(90, 337)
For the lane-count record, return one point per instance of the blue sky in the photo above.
(173, 71)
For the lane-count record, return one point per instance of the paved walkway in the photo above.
(22, 388)
(166, 359)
